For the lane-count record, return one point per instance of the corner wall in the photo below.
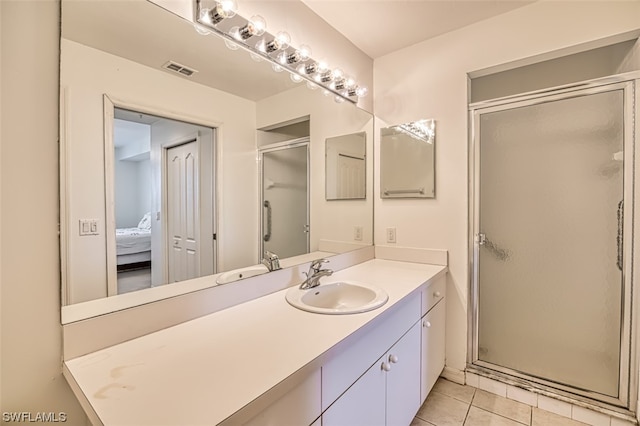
(429, 80)
(31, 364)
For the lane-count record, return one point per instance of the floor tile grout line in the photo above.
(495, 414)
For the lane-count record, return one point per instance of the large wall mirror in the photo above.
(170, 145)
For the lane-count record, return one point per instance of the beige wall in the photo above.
(31, 378)
(429, 80)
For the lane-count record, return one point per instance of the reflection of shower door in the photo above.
(551, 300)
(285, 200)
(183, 216)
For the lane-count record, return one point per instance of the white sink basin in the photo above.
(338, 298)
(238, 274)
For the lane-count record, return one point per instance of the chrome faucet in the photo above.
(314, 274)
(271, 261)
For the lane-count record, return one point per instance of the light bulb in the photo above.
(361, 92)
(201, 29)
(349, 82)
(338, 99)
(281, 41)
(255, 27)
(308, 69)
(224, 9)
(255, 57)
(231, 45)
(277, 68)
(304, 51)
(295, 78)
(337, 74)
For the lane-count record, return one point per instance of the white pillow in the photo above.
(145, 222)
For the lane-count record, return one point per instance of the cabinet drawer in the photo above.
(355, 355)
(433, 293)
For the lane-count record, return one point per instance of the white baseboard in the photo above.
(453, 375)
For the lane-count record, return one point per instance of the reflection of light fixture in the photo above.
(273, 48)
(223, 9)
(424, 130)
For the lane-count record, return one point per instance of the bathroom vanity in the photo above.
(264, 360)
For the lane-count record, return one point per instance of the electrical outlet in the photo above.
(357, 233)
(391, 235)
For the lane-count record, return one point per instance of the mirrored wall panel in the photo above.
(163, 131)
(407, 160)
(346, 167)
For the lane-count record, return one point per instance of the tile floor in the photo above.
(451, 404)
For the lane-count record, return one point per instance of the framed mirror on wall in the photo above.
(407, 160)
(137, 64)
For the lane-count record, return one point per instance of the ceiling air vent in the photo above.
(180, 69)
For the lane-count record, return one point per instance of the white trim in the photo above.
(453, 375)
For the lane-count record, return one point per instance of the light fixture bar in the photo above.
(218, 15)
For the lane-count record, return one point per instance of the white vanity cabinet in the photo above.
(387, 394)
(433, 336)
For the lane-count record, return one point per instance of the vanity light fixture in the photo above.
(221, 17)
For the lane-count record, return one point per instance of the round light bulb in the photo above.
(259, 25)
(337, 74)
(283, 38)
(231, 45)
(277, 68)
(295, 78)
(361, 92)
(305, 52)
(201, 29)
(338, 99)
(205, 16)
(255, 57)
(349, 82)
(228, 8)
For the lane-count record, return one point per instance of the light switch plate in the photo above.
(391, 235)
(88, 227)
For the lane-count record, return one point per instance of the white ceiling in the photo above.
(379, 27)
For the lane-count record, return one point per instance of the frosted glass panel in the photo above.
(550, 291)
(285, 195)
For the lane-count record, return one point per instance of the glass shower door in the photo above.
(548, 253)
(285, 200)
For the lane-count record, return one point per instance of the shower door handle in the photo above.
(267, 205)
(620, 236)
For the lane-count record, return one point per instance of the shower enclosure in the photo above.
(285, 198)
(552, 238)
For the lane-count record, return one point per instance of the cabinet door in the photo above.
(433, 342)
(403, 380)
(363, 404)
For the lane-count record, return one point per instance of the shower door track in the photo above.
(627, 399)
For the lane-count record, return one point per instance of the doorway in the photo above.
(162, 182)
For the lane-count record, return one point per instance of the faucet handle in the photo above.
(317, 264)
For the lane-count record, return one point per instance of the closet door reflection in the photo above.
(549, 243)
(285, 200)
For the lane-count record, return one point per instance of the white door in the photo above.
(351, 173)
(183, 212)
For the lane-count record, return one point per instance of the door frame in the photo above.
(110, 103)
(293, 143)
(628, 375)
